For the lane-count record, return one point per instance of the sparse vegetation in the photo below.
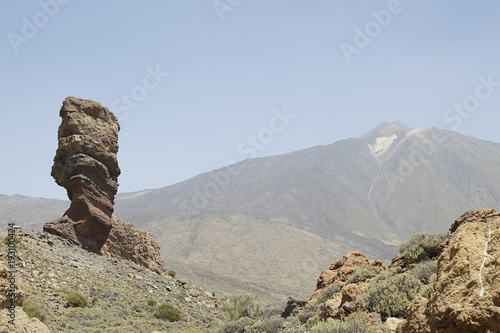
(76, 300)
(171, 273)
(33, 310)
(244, 305)
(168, 312)
(362, 274)
(151, 302)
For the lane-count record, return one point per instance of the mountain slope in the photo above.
(268, 225)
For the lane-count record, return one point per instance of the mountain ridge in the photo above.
(353, 194)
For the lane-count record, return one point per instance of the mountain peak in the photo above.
(386, 129)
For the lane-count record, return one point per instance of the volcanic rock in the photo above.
(86, 165)
(466, 294)
(128, 242)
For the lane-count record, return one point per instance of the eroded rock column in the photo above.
(86, 165)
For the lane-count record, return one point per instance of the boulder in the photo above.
(86, 166)
(128, 242)
(466, 294)
(342, 268)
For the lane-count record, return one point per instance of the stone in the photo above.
(391, 324)
(86, 166)
(466, 295)
(22, 323)
(127, 242)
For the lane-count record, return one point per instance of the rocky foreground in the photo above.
(117, 290)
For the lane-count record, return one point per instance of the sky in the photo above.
(200, 84)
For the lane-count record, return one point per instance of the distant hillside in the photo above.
(269, 225)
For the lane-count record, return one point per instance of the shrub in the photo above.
(328, 292)
(358, 322)
(428, 289)
(169, 312)
(390, 294)
(151, 302)
(425, 270)
(362, 274)
(328, 326)
(244, 305)
(270, 325)
(236, 326)
(421, 247)
(32, 310)
(15, 239)
(171, 274)
(76, 300)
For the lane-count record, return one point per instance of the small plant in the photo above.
(171, 274)
(94, 300)
(362, 274)
(168, 312)
(244, 305)
(151, 302)
(32, 310)
(421, 247)
(12, 239)
(76, 300)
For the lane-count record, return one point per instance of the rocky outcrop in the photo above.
(128, 242)
(86, 165)
(12, 317)
(466, 294)
(341, 269)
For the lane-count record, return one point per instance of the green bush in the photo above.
(237, 326)
(171, 274)
(76, 300)
(421, 247)
(244, 305)
(169, 312)
(151, 302)
(362, 274)
(32, 310)
(425, 270)
(328, 326)
(358, 322)
(270, 325)
(428, 289)
(390, 294)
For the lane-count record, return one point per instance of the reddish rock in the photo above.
(128, 242)
(86, 165)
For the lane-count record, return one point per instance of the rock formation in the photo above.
(86, 165)
(466, 294)
(22, 323)
(126, 241)
(341, 270)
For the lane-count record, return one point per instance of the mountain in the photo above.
(269, 225)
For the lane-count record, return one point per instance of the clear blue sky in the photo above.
(230, 69)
